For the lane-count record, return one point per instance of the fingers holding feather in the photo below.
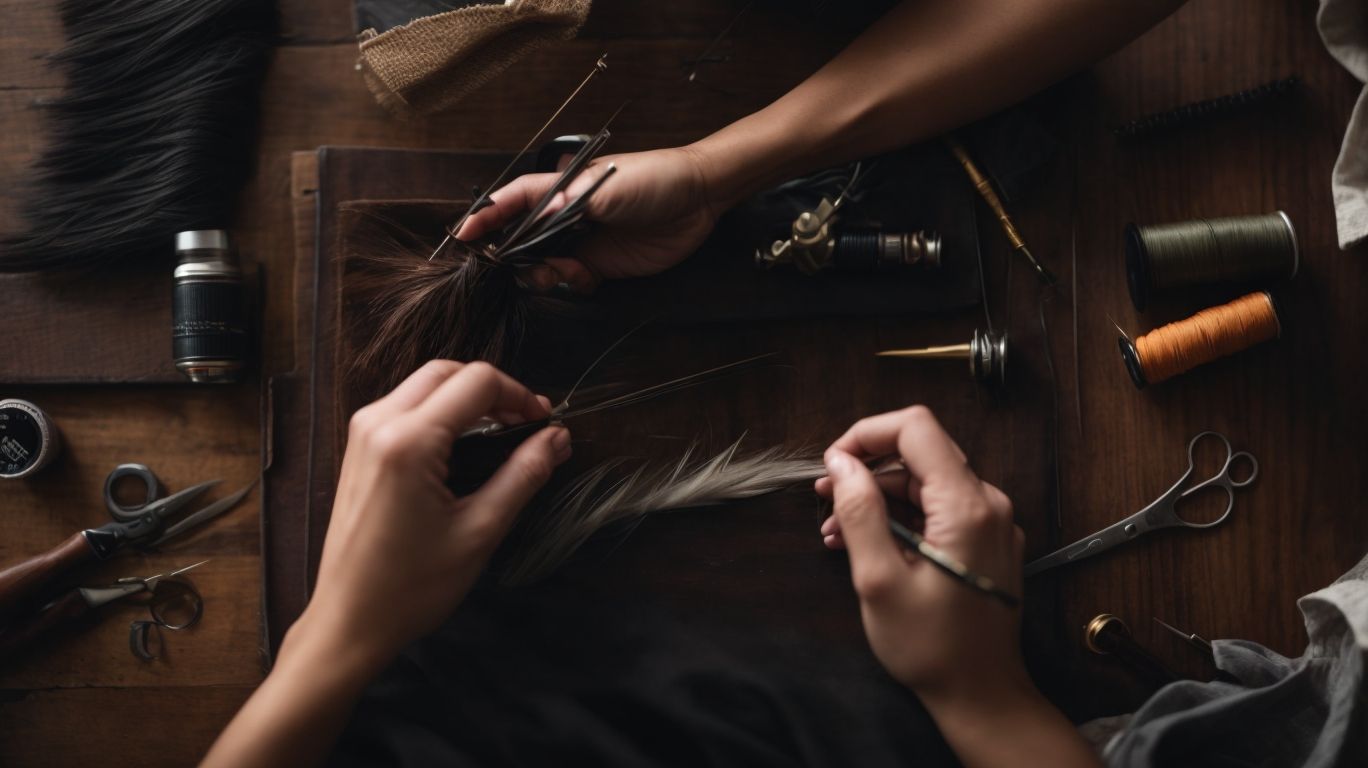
(479, 389)
(894, 480)
(497, 503)
(863, 516)
(416, 388)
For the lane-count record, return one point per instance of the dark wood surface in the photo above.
(1295, 403)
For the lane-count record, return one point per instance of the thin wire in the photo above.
(1073, 279)
(674, 385)
(978, 254)
(1046, 296)
(565, 401)
(599, 66)
(703, 57)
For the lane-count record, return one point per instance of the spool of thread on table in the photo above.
(1206, 336)
(1164, 257)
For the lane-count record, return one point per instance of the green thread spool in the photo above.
(1240, 249)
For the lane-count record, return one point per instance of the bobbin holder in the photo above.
(1108, 635)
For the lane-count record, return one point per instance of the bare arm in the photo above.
(957, 649)
(401, 553)
(925, 67)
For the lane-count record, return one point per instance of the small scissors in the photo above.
(1161, 513)
(173, 605)
(144, 525)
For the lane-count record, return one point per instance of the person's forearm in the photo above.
(1014, 727)
(926, 67)
(302, 706)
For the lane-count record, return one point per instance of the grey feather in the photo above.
(594, 501)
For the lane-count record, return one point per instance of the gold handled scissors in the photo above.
(1162, 512)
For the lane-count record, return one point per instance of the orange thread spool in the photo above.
(1206, 336)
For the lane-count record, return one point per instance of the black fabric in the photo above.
(560, 675)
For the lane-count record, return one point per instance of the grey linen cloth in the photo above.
(1343, 26)
(1307, 711)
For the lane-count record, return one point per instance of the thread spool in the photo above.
(1206, 336)
(29, 440)
(1164, 257)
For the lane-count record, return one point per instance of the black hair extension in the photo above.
(152, 135)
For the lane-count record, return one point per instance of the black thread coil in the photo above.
(1163, 258)
(208, 321)
(857, 250)
(1197, 111)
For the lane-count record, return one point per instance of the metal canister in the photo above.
(208, 319)
(28, 439)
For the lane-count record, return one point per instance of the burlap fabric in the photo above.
(431, 63)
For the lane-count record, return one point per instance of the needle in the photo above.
(599, 66)
(1191, 638)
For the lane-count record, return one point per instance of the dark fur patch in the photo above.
(153, 134)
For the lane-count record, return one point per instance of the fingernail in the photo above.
(545, 401)
(837, 463)
(560, 442)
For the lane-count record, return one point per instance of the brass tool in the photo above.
(1108, 635)
(990, 196)
(986, 353)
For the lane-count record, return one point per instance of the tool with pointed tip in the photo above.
(482, 200)
(986, 353)
(142, 525)
(19, 635)
(990, 196)
(1192, 638)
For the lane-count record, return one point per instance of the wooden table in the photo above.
(1296, 404)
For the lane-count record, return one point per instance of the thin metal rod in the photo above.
(648, 393)
(990, 196)
(947, 563)
(599, 66)
(1191, 637)
(716, 41)
(948, 352)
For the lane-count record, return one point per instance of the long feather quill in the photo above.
(595, 501)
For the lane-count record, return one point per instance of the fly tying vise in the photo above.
(814, 244)
(1208, 335)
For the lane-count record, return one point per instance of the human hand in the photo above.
(402, 550)
(945, 641)
(651, 214)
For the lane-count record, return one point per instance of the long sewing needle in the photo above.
(599, 66)
(1193, 638)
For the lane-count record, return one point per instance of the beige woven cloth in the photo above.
(431, 63)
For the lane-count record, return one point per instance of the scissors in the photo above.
(144, 525)
(1162, 512)
(173, 605)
